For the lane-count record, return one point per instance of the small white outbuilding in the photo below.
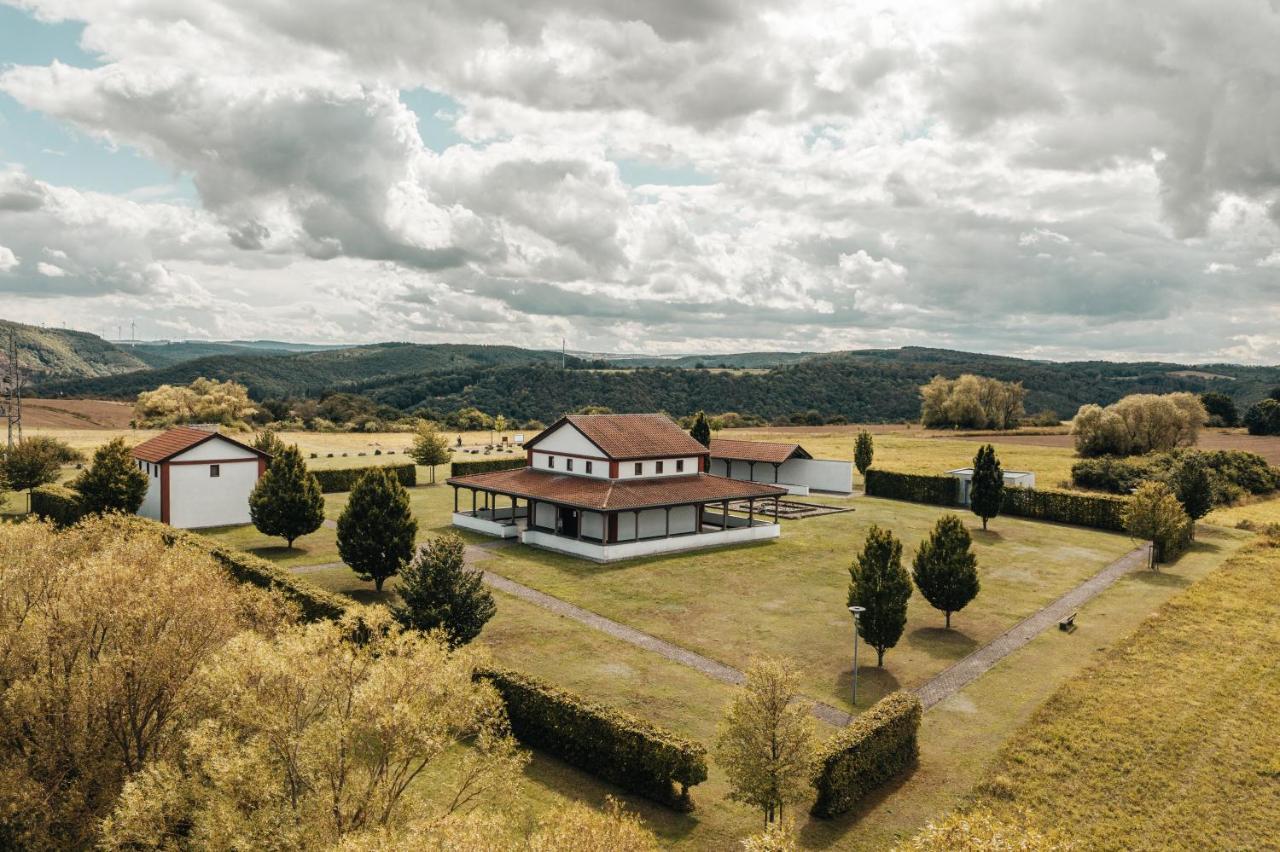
(198, 478)
(1012, 479)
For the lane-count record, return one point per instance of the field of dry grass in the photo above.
(75, 414)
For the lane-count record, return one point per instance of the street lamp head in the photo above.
(857, 610)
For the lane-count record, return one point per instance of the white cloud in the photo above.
(50, 270)
(8, 260)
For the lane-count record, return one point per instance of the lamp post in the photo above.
(856, 610)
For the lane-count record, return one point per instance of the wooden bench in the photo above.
(1068, 624)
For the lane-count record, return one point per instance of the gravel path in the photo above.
(969, 669)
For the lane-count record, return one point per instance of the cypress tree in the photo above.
(863, 452)
(376, 530)
(267, 441)
(701, 431)
(1193, 487)
(986, 493)
(438, 591)
(945, 569)
(287, 501)
(880, 583)
(112, 482)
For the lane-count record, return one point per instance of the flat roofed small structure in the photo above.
(198, 477)
(1012, 479)
(615, 486)
(785, 464)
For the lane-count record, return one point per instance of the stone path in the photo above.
(969, 669)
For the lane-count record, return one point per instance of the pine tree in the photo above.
(376, 530)
(863, 452)
(986, 493)
(430, 448)
(945, 569)
(112, 482)
(287, 501)
(1193, 487)
(267, 441)
(701, 431)
(438, 591)
(879, 583)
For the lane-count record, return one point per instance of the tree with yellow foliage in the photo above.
(203, 401)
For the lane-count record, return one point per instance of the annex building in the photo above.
(198, 478)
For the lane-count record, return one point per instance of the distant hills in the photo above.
(862, 385)
(167, 354)
(44, 352)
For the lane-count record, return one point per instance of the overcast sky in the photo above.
(1059, 180)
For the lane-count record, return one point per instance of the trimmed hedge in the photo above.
(606, 742)
(58, 504)
(343, 479)
(1099, 511)
(917, 488)
(875, 747)
(462, 468)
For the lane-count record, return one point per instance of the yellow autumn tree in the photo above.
(203, 401)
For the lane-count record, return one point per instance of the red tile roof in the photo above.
(179, 440)
(607, 495)
(760, 451)
(630, 436)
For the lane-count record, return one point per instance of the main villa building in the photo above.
(616, 486)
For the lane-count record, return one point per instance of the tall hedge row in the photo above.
(915, 487)
(875, 747)
(343, 479)
(1100, 511)
(462, 468)
(601, 740)
(58, 504)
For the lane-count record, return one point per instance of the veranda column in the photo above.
(724, 520)
(473, 502)
(751, 471)
(667, 534)
(455, 499)
(636, 535)
(775, 510)
(751, 512)
(775, 473)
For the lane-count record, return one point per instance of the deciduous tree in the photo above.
(1193, 486)
(986, 492)
(1220, 408)
(430, 448)
(945, 569)
(879, 583)
(1263, 418)
(376, 530)
(202, 401)
(863, 452)
(701, 431)
(439, 592)
(112, 482)
(31, 463)
(287, 500)
(764, 741)
(1139, 424)
(972, 402)
(1154, 514)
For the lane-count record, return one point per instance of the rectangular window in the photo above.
(551, 461)
(568, 464)
(657, 467)
(588, 467)
(215, 470)
(639, 468)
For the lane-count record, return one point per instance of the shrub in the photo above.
(113, 482)
(875, 747)
(1063, 507)
(344, 479)
(462, 468)
(1113, 474)
(1220, 408)
(1232, 473)
(1138, 424)
(58, 504)
(1263, 418)
(916, 488)
(1154, 514)
(601, 740)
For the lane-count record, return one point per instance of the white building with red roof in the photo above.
(198, 477)
(616, 486)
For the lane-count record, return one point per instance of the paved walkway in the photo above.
(969, 669)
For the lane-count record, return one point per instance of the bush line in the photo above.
(914, 487)
(343, 479)
(875, 747)
(462, 468)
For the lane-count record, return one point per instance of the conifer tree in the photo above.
(376, 531)
(945, 569)
(287, 501)
(267, 441)
(986, 493)
(863, 452)
(879, 583)
(701, 431)
(112, 482)
(438, 591)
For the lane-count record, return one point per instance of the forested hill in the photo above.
(866, 385)
(46, 352)
(277, 375)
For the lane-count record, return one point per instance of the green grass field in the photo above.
(1172, 738)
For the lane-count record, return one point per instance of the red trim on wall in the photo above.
(262, 467)
(613, 470)
(164, 492)
(559, 454)
(528, 457)
(612, 534)
(220, 461)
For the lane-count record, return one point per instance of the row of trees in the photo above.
(971, 402)
(1139, 424)
(111, 482)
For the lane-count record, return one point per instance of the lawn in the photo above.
(788, 596)
(1171, 739)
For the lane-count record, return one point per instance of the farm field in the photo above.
(1171, 739)
(75, 414)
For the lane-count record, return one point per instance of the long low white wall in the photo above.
(798, 476)
(485, 526)
(648, 547)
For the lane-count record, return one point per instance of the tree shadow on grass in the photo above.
(277, 552)
(988, 536)
(820, 833)
(941, 643)
(874, 683)
(372, 596)
(1161, 579)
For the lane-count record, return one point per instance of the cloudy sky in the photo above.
(1051, 179)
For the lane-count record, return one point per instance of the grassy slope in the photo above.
(60, 352)
(1172, 740)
